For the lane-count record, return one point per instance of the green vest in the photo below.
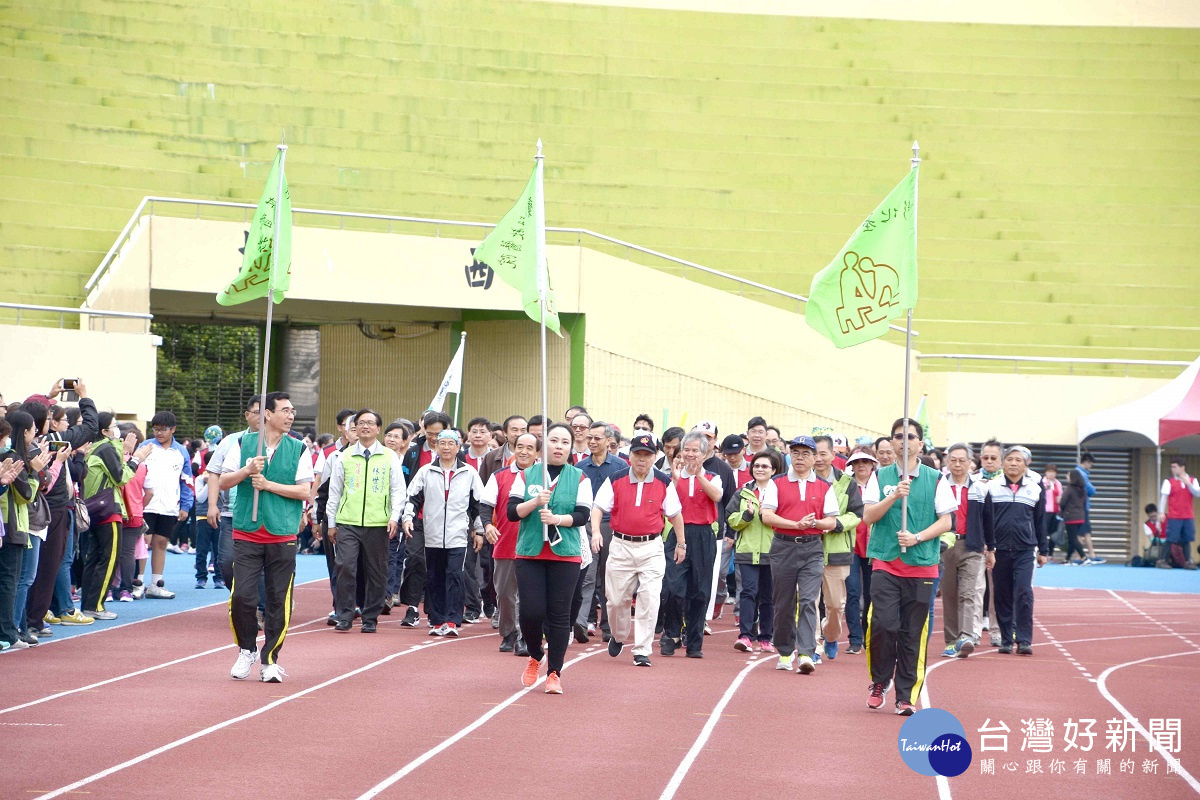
(921, 514)
(279, 515)
(562, 501)
(97, 476)
(840, 544)
(366, 491)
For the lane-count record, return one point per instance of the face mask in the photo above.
(6, 445)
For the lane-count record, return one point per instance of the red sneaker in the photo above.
(875, 700)
(530, 675)
(553, 684)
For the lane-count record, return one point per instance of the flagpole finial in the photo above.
(916, 148)
(539, 149)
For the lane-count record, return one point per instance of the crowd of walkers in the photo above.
(550, 531)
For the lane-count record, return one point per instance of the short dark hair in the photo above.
(772, 456)
(104, 421)
(509, 421)
(899, 424)
(778, 432)
(372, 412)
(536, 419)
(643, 418)
(1049, 467)
(1087, 457)
(432, 417)
(881, 440)
(992, 442)
(555, 426)
(341, 415)
(755, 422)
(674, 432)
(273, 398)
(37, 410)
(1178, 461)
(1151, 508)
(73, 415)
(479, 421)
(256, 399)
(823, 437)
(164, 419)
(324, 440)
(580, 409)
(398, 426)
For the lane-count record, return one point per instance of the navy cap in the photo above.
(803, 441)
(732, 444)
(642, 443)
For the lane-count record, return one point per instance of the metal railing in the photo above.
(1018, 360)
(63, 311)
(342, 216)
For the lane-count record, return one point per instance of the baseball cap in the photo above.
(449, 433)
(642, 443)
(732, 444)
(861, 456)
(864, 441)
(707, 427)
(839, 440)
(803, 441)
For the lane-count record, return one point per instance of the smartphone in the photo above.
(57, 445)
(69, 394)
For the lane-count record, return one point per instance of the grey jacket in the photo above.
(447, 516)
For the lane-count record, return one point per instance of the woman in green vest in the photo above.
(549, 551)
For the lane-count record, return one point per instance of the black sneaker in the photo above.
(411, 618)
(695, 654)
(470, 618)
(368, 626)
(508, 643)
(667, 646)
(1024, 650)
(331, 620)
(522, 649)
(342, 626)
(1006, 650)
(614, 647)
(641, 661)
(580, 633)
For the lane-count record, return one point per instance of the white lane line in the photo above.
(293, 632)
(474, 726)
(1155, 620)
(943, 783)
(101, 626)
(685, 765)
(220, 725)
(1172, 761)
(1059, 646)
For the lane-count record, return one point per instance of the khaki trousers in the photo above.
(962, 590)
(634, 566)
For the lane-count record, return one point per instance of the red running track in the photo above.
(151, 708)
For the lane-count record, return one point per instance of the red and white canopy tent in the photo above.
(1168, 415)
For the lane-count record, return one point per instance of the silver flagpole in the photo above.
(916, 161)
(262, 395)
(539, 201)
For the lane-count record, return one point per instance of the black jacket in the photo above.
(77, 435)
(1073, 503)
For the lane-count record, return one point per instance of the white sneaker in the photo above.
(174, 548)
(139, 592)
(440, 630)
(241, 667)
(785, 663)
(805, 666)
(271, 673)
(157, 592)
(104, 615)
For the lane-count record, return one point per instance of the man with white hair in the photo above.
(1012, 513)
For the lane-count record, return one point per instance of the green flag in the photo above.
(260, 272)
(511, 251)
(874, 278)
(923, 421)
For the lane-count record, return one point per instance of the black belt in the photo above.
(798, 537)
(629, 538)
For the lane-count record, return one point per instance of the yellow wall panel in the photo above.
(502, 372)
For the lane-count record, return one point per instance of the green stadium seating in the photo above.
(1061, 165)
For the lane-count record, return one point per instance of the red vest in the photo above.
(630, 518)
(1179, 501)
(697, 508)
(960, 494)
(506, 545)
(792, 507)
(741, 475)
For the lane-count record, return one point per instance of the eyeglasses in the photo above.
(912, 437)
(363, 422)
(579, 427)
(762, 466)
(595, 438)
(291, 412)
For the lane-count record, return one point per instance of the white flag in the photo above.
(453, 380)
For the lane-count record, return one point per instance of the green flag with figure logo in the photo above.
(261, 273)
(873, 279)
(511, 251)
(923, 421)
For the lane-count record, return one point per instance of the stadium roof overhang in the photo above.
(1169, 415)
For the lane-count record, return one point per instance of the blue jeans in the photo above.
(61, 603)
(29, 564)
(858, 598)
(755, 602)
(208, 539)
